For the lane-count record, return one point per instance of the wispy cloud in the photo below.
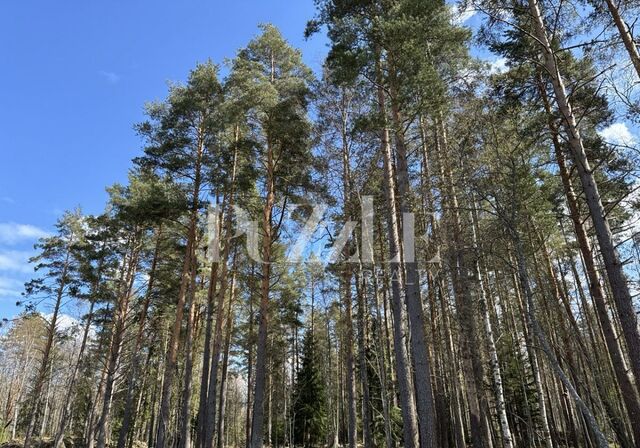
(7, 200)
(10, 287)
(111, 77)
(65, 322)
(460, 17)
(12, 233)
(15, 261)
(618, 134)
(498, 66)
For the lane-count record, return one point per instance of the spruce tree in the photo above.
(309, 409)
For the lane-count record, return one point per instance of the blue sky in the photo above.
(75, 76)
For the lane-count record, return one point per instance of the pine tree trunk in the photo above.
(381, 358)
(248, 420)
(625, 35)
(90, 425)
(184, 422)
(174, 340)
(413, 299)
(257, 424)
(210, 413)
(117, 339)
(362, 359)
(462, 293)
(403, 366)
(225, 365)
(601, 441)
(349, 358)
(134, 369)
(613, 265)
(46, 355)
(206, 356)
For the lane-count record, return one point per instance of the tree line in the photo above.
(509, 321)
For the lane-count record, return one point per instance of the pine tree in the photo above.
(270, 83)
(59, 264)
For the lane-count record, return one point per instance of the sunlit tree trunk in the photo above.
(46, 353)
(71, 386)
(135, 364)
(257, 424)
(174, 340)
(462, 292)
(613, 266)
(625, 35)
(130, 266)
(403, 366)
(413, 299)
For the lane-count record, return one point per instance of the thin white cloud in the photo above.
(618, 134)
(459, 17)
(7, 200)
(15, 261)
(69, 323)
(64, 321)
(12, 233)
(111, 77)
(10, 287)
(498, 66)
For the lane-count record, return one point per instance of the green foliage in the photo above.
(181, 134)
(269, 86)
(58, 263)
(309, 409)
